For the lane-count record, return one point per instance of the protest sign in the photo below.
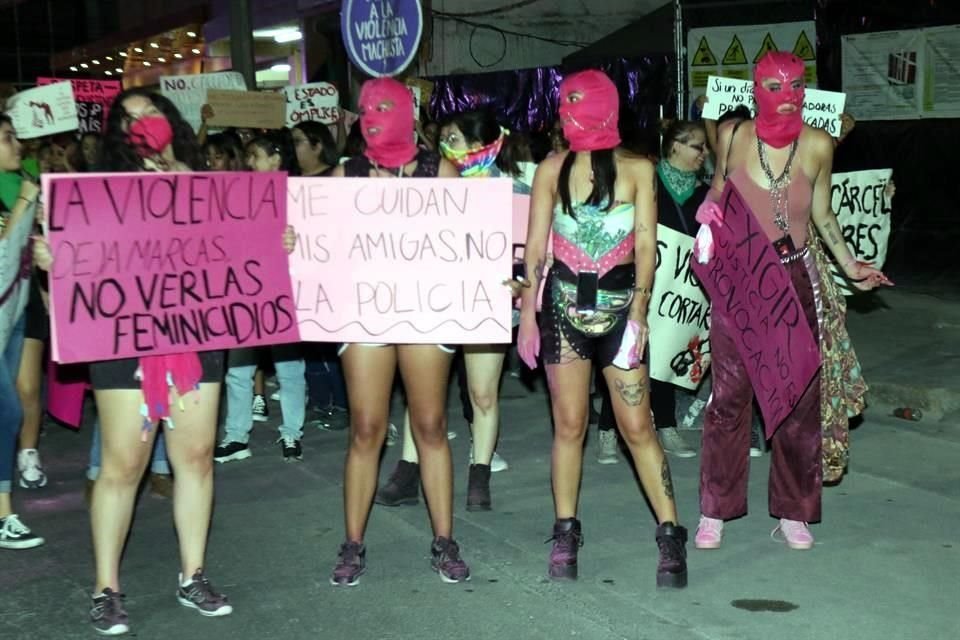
(43, 111)
(93, 98)
(678, 315)
(156, 263)
(859, 198)
(821, 109)
(252, 109)
(381, 38)
(317, 101)
(189, 93)
(753, 296)
(402, 261)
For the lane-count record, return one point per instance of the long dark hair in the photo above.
(679, 131)
(117, 152)
(279, 142)
(318, 133)
(229, 145)
(482, 127)
(604, 180)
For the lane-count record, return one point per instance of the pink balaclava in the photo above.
(392, 145)
(591, 123)
(779, 129)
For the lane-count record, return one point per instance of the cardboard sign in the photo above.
(43, 111)
(155, 263)
(678, 315)
(382, 260)
(753, 296)
(93, 98)
(317, 101)
(189, 93)
(252, 109)
(821, 109)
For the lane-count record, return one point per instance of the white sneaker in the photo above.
(607, 446)
(30, 470)
(275, 396)
(392, 434)
(259, 409)
(674, 444)
(496, 462)
(16, 535)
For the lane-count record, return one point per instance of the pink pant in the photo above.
(795, 469)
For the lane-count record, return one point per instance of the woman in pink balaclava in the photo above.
(387, 124)
(599, 202)
(781, 168)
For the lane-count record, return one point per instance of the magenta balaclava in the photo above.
(591, 123)
(779, 129)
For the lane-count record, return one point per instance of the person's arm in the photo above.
(24, 206)
(724, 141)
(206, 112)
(341, 131)
(645, 245)
(863, 275)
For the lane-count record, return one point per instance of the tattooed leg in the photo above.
(632, 394)
(666, 479)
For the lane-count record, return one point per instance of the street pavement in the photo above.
(885, 565)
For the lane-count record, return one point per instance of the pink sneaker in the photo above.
(709, 533)
(796, 534)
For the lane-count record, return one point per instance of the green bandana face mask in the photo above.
(680, 184)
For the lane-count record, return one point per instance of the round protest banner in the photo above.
(381, 36)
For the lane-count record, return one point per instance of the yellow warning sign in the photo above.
(703, 56)
(803, 49)
(735, 54)
(766, 47)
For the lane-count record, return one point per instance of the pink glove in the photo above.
(628, 356)
(703, 245)
(709, 212)
(528, 343)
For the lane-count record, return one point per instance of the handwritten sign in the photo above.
(381, 37)
(821, 109)
(253, 109)
(93, 98)
(189, 93)
(317, 101)
(402, 261)
(859, 198)
(754, 299)
(678, 315)
(154, 263)
(43, 111)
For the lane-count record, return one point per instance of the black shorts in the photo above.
(37, 326)
(119, 374)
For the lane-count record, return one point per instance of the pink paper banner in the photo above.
(93, 98)
(151, 263)
(386, 260)
(752, 291)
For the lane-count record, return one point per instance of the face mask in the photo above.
(590, 123)
(779, 129)
(150, 135)
(393, 144)
(474, 163)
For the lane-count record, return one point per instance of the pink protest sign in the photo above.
(752, 292)
(93, 98)
(521, 220)
(387, 260)
(155, 263)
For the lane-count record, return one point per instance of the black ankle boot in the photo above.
(478, 488)
(567, 540)
(672, 568)
(402, 487)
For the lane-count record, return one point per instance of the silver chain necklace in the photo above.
(779, 187)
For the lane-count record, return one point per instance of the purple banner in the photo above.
(752, 294)
(381, 36)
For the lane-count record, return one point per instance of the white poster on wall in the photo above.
(189, 93)
(731, 52)
(882, 74)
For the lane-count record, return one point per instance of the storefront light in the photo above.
(191, 34)
(122, 54)
(154, 45)
(74, 69)
(138, 49)
(108, 72)
(281, 68)
(161, 59)
(178, 55)
(196, 51)
(146, 63)
(84, 65)
(119, 70)
(95, 61)
(288, 36)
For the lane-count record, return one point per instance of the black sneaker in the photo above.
(201, 595)
(16, 535)
(292, 451)
(351, 564)
(261, 413)
(228, 451)
(446, 561)
(107, 614)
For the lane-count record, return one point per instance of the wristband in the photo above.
(644, 291)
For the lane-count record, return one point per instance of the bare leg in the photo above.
(369, 375)
(29, 382)
(124, 458)
(484, 366)
(570, 396)
(630, 395)
(425, 370)
(190, 450)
